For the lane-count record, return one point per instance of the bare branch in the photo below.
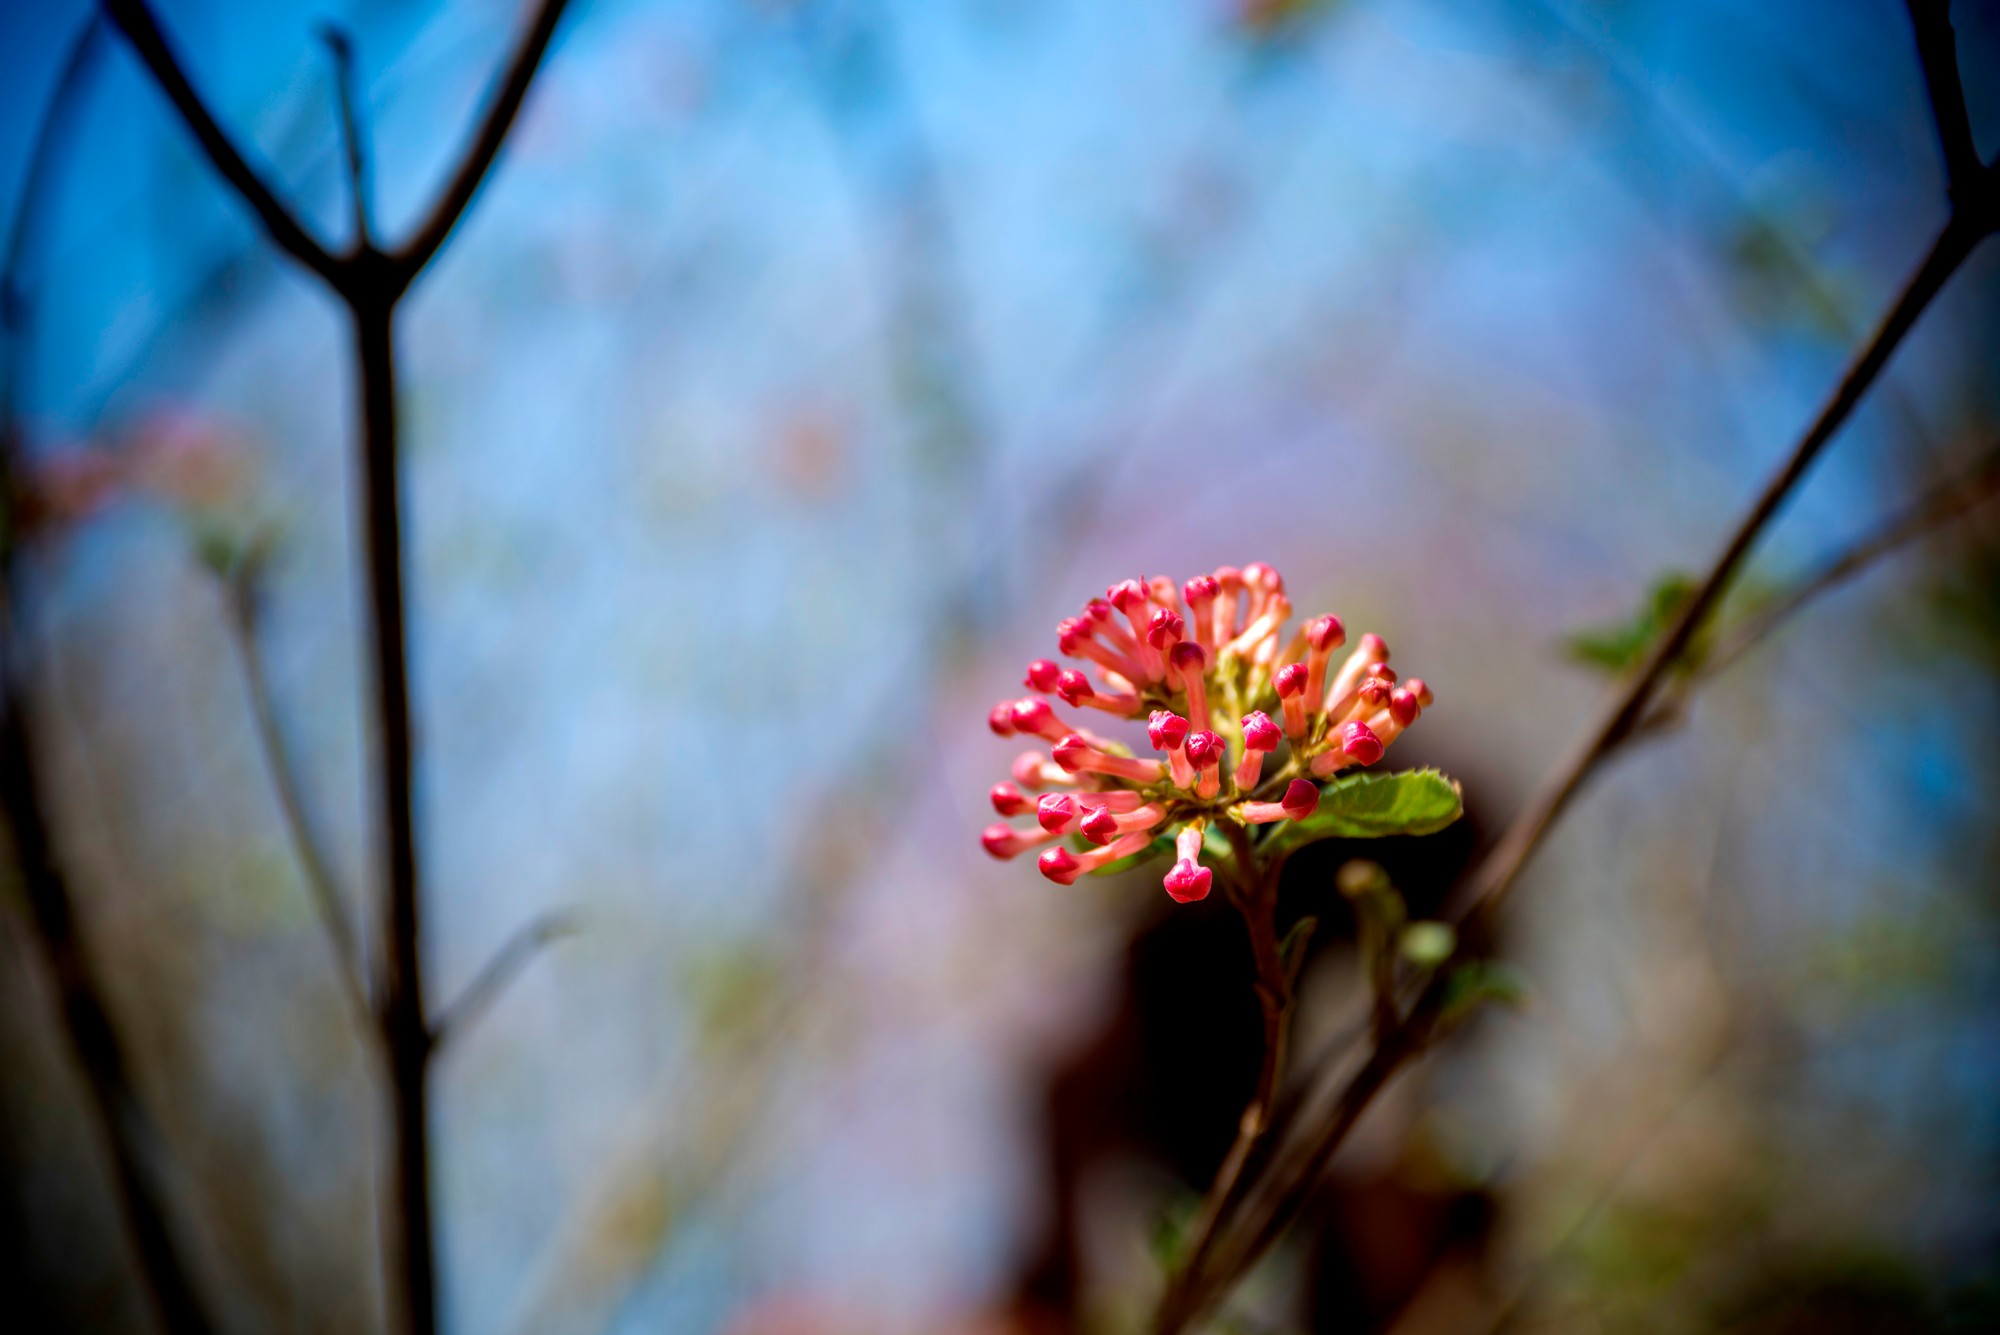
(1937, 52)
(287, 232)
(243, 596)
(502, 969)
(353, 141)
(494, 122)
(1938, 508)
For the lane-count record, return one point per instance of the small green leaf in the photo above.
(1428, 944)
(1621, 645)
(1158, 848)
(1370, 806)
(1471, 986)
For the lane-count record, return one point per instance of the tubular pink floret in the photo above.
(1260, 736)
(1036, 719)
(1008, 800)
(1200, 593)
(1103, 825)
(1077, 756)
(1004, 841)
(1075, 689)
(1118, 801)
(1001, 719)
(1188, 880)
(1163, 591)
(1190, 662)
(1229, 584)
(1034, 771)
(1041, 675)
(1359, 742)
(1291, 685)
(1323, 636)
(1204, 751)
(1132, 598)
(1075, 637)
(1057, 813)
(1063, 867)
(1301, 799)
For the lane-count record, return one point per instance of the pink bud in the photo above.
(1127, 595)
(1059, 865)
(1164, 628)
(1004, 841)
(1166, 730)
(1001, 719)
(1200, 591)
(1360, 743)
(1204, 748)
(1229, 578)
(1188, 882)
(1416, 686)
(1070, 633)
(1042, 675)
(1163, 591)
(1097, 610)
(1008, 799)
(1301, 799)
(1056, 812)
(1374, 647)
(1071, 753)
(1187, 656)
(1035, 718)
(1403, 708)
(1100, 826)
(1384, 671)
(1325, 634)
(1291, 684)
(1073, 686)
(1259, 733)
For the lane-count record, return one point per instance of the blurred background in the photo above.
(800, 366)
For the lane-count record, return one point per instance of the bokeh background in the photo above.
(802, 364)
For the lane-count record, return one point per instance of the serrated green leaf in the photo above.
(1158, 848)
(1371, 806)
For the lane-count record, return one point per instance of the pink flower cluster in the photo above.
(1206, 666)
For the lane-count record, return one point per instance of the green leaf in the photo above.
(1622, 645)
(1428, 944)
(1471, 986)
(1370, 806)
(1159, 847)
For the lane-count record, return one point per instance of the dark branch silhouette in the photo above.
(243, 596)
(371, 282)
(505, 966)
(354, 143)
(494, 123)
(1937, 52)
(129, 1136)
(136, 21)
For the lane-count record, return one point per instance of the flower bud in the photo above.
(1008, 800)
(1204, 748)
(1001, 719)
(1004, 841)
(1291, 684)
(1166, 730)
(1057, 812)
(1359, 742)
(1187, 882)
(1042, 676)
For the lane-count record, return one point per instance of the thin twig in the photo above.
(1933, 511)
(354, 143)
(494, 123)
(242, 597)
(136, 20)
(130, 1137)
(505, 966)
(1937, 52)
